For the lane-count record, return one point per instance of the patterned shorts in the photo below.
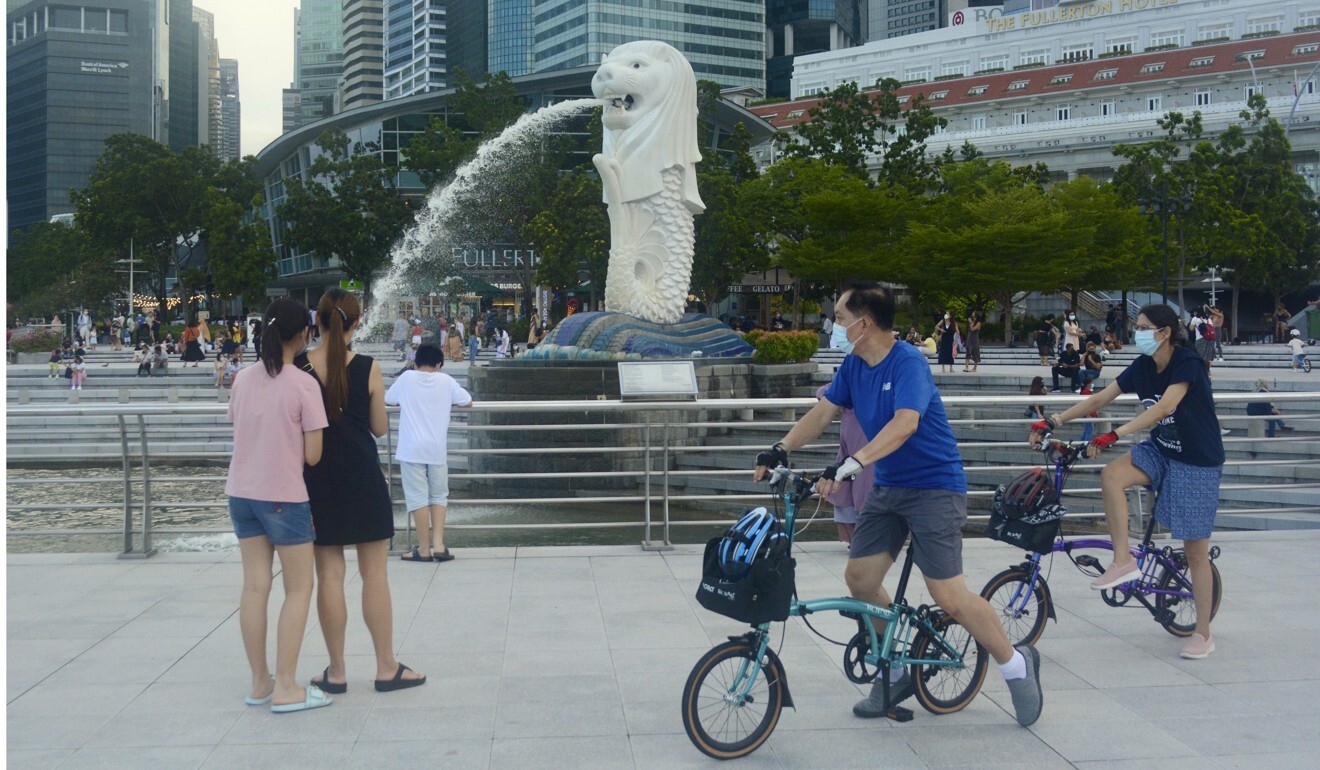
(1187, 495)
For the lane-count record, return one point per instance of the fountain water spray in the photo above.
(432, 224)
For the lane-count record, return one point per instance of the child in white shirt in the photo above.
(1298, 348)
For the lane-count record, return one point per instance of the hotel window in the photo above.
(1213, 31)
(1077, 52)
(1201, 61)
(1203, 98)
(1108, 108)
(978, 122)
(1035, 57)
(956, 68)
(1106, 74)
(1251, 91)
(995, 62)
(1019, 118)
(1266, 24)
(1158, 39)
(1059, 80)
(939, 96)
(1018, 85)
(1255, 55)
(1121, 45)
(1154, 103)
(1063, 113)
(1307, 88)
(1308, 18)
(1152, 68)
(1305, 48)
(916, 73)
(794, 114)
(977, 90)
(904, 99)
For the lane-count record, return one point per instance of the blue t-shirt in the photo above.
(1191, 434)
(929, 459)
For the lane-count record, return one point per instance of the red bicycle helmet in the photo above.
(1026, 494)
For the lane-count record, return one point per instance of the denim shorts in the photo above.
(424, 484)
(282, 523)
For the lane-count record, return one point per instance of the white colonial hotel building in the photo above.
(1064, 85)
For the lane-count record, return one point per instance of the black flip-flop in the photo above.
(325, 685)
(398, 682)
(416, 555)
(442, 556)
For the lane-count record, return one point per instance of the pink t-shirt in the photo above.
(270, 416)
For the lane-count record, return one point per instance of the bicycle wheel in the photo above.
(1022, 608)
(946, 689)
(721, 723)
(1183, 622)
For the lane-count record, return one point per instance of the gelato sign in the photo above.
(996, 20)
(101, 67)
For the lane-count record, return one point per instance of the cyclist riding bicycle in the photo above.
(1182, 460)
(889, 386)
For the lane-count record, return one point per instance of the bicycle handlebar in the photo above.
(1070, 452)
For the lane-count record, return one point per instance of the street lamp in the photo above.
(1162, 206)
(130, 262)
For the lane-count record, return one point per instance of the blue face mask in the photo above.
(839, 338)
(1146, 341)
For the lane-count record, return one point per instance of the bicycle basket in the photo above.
(1033, 532)
(747, 574)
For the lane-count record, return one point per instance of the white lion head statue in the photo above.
(651, 119)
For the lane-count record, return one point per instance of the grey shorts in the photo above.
(933, 516)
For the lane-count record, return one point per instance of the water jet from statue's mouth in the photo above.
(623, 103)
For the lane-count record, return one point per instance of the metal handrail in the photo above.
(667, 449)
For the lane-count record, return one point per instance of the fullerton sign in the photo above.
(1063, 13)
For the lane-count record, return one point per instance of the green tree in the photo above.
(992, 233)
(1119, 249)
(53, 267)
(349, 209)
(474, 113)
(572, 234)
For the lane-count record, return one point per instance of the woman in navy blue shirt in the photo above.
(1181, 460)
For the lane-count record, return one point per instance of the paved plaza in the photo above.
(574, 657)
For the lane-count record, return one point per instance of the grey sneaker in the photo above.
(873, 706)
(1026, 692)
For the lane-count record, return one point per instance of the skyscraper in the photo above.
(511, 36)
(415, 47)
(292, 108)
(895, 18)
(794, 28)
(467, 36)
(318, 58)
(230, 145)
(723, 39)
(364, 54)
(208, 79)
(77, 75)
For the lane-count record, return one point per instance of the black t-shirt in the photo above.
(1044, 333)
(1069, 359)
(1094, 361)
(1191, 434)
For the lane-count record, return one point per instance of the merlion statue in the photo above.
(648, 172)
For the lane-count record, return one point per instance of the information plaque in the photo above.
(657, 379)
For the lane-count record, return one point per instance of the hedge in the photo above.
(783, 347)
(36, 341)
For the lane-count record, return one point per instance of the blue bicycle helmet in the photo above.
(750, 538)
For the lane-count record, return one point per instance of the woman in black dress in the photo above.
(947, 330)
(349, 497)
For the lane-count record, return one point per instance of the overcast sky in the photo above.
(259, 33)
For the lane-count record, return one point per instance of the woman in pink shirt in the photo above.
(278, 417)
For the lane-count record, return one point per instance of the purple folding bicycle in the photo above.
(1021, 597)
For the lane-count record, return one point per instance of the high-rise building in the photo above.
(510, 37)
(77, 74)
(415, 48)
(895, 18)
(794, 28)
(292, 102)
(723, 39)
(364, 54)
(318, 58)
(208, 79)
(467, 35)
(230, 144)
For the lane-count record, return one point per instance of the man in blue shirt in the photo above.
(921, 490)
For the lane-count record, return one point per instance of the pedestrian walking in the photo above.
(946, 333)
(973, 342)
(278, 421)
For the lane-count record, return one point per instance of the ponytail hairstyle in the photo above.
(1162, 316)
(283, 320)
(336, 313)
